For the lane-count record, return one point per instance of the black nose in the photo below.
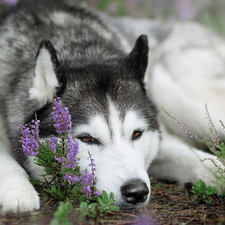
(135, 191)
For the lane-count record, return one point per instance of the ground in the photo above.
(170, 204)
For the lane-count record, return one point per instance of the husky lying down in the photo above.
(69, 50)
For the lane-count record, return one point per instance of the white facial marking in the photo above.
(115, 123)
(133, 122)
(97, 128)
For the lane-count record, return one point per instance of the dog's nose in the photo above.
(135, 191)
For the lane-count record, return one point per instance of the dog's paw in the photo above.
(18, 195)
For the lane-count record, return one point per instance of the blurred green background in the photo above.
(208, 12)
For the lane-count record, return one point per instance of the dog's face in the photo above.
(123, 148)
(112, 118)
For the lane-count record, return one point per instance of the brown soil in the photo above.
(170, 204)
(175, 204)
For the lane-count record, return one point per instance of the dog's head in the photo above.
(112, 116)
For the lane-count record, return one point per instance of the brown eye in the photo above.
(136, 134)
(88, 139)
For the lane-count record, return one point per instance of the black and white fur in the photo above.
(63, 48)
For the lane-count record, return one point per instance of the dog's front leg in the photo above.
(16, 192)
(177, 161)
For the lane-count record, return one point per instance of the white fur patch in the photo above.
(176, 161)
(188, 72)
(63, 19)
(45, 81)
(17, 194)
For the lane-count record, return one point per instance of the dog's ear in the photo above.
(137, 60)
(47, 75)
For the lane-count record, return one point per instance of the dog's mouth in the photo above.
(127, 207)
(130, 207)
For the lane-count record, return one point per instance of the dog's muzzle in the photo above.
(134, 191)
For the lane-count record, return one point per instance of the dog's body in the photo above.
(87, 64)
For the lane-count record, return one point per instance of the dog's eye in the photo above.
(86, 138)
(136, 134)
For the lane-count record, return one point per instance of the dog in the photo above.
(109, 88)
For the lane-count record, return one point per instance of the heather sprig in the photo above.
(30, 137)
(214, 134)
(71, 152)
(217, 142)
(218, 148)
(58, 156)
(61, 117)
(86, 179)
(52, 142)
(192, 135)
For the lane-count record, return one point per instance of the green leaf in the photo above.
(111, 198)
(83, 209)
(208, 200)
(83, 206)
(104, 197)
(103, 208)
(60, 216)
(211, 190)
(68, 207)
(100, 200)
(92, 209)
(114, 207)
(92, 206)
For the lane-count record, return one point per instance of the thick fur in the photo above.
(63, 48)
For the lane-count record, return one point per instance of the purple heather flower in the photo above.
(72, 178)
(72, 151)
(97, 193)
(60, 159)
(61, 116)
(52, 143)
(35, 129)
(87, 180)
(185, 9)
(70, 160)
(30, 138)
(9, 2)
(113, 7)
(92, 165)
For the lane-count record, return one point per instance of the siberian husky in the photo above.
(57, 47)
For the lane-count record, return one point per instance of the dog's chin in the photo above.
(130, 207)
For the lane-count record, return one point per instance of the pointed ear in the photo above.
(137, 60)
(47, 76)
